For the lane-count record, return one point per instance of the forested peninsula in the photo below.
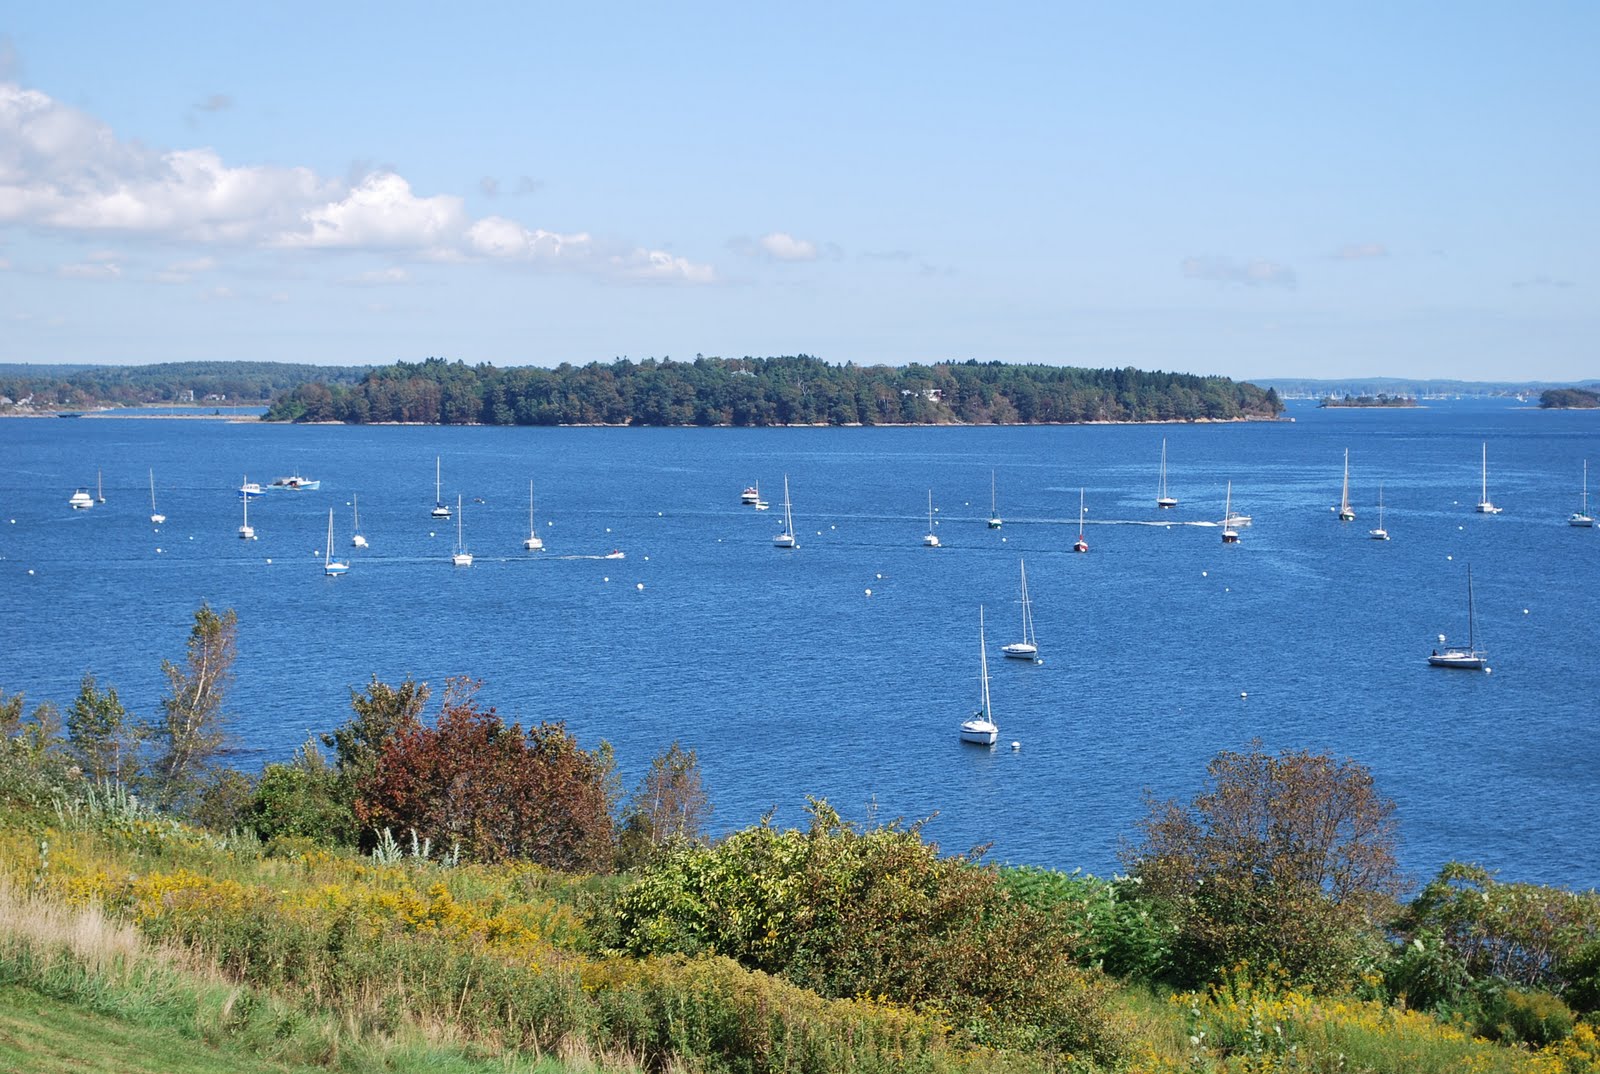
(793, 390)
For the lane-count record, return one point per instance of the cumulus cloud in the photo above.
(776, 246)
(63, 170)
(90, 270)
(1360, 251)
(1228, 270)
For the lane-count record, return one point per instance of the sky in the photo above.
(1254, 190)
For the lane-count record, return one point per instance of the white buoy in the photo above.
(30, 570)
(1524, 611)
(639, 585)
(1015, 745)
(647, 559)
(869, 592)
(608, 529)
(430, 533)
(1205, 574)
(1243, 694)
(605, 579)
(1449, 557)
(269, 559)
(158, 551)
(880, 577)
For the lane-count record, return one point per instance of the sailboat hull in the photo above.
(1020, 650)
(1166, 502)
(1459, 659)
(980, 732)
(1581, 520)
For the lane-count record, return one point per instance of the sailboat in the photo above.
(81, 500)
(1470, 658)
(1229, 534)
(786, 538)
(99, 489)
(461, 557)
(330, 566)
(994, 511)
(932, 539)
(440, 508)
(356, 540)
(1581, 516)
(533, 543)
(1346, 513)
(1080, 545)
(1484, 506)
(980, 728)
(1379, 534)
(245, 532)
(1028, 647)
(1162, 498)
(155, 516)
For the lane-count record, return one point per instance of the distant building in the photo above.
(212, 398)
(186, 396)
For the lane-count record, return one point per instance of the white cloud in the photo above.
(90, 270)
(63, 170)
(781, 246)
(1256, 273)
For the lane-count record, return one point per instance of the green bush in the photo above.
(849, 913)
(1427, 974)
(1523, 1016)
(1119, 931)
(1581, 971)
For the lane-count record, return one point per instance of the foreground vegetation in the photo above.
(444, 891)
(796, 390)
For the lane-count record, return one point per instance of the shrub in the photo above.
(1118, 929)
(1523, 1016)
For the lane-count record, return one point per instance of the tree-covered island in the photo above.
(1569, 399)
(794, 390)
(1367, 401)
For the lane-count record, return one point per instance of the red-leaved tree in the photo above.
(500, 792)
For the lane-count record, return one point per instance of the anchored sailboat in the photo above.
(1229, 534)
(1028, 647)
(1162, 498)
(461, 557)
(932, 539)
(356, 540)
(533, 543)
(1080, 545)
(980, 728)
(1346, 512)
(246, 533)
(786, 538)
(440, 508)
(1470, 658)
(994, 511)
(155, 516)
(330, 566)
(1581, 516)
(1484, 506)
(1379, 534)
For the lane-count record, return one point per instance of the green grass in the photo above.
(39, 1035)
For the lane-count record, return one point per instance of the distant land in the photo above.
(789, 390)
(1569, 399)
(46, 388)
(1360, 401)
(1303, 388)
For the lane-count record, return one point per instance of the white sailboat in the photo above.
(440, 508)
(246, 533)
(1484, 506)
(932, 539)
(980, 728)
(1080, 545)
(1346, 512)
(330, 566)
(1028, 647)
(533, 543)
(994, 510)
(81, 500)
(786, 538)
(155, 516)
(461, 557)
(1470, 658)
(1379, 534)
(356, 540)
(1162, 498)
(1581, 516)
(1229, 534)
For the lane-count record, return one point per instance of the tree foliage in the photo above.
(1286, 858)
(495, 790)
(193, 729)
(104, 740)
(793, 390)
(668, 805)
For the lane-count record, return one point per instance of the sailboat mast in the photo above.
(1344, 497)
(1486, 472)
(983, 664)
(1161, 495)
(1472, 627)
(327, 549)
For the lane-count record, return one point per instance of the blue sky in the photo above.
(1248, 189)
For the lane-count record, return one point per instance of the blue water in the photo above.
(790, 680)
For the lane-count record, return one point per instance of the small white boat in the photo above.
(356, 540)
(932, 539)
(99, 488)
(533, 543)
(762, 505)
(249, 488)
(1162, 498)
(980, 728)
(1230, 534)
(440, 509)
(1470, 658)
(751, 494)
(1080, 545)
(295, 483)
(1028, 647)
(155, 516)
(1485, 507)
(1379, 534)
(81, 500)
(786, 538)
(1346, 512)
(330, 566)
(246, 533)
(461, 557)
(1581, 516)
(615, 553)
(994, 510)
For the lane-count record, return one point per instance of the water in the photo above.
(790, 680)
